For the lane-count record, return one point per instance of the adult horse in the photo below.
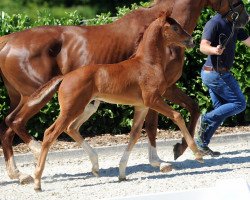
(30, 58)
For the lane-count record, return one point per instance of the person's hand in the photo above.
(218, 50)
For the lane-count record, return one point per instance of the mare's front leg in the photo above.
(139, 116)
(155, 102)
(177, 96)
(151, 123)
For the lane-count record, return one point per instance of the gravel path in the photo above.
(67, 173)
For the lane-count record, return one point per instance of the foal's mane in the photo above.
(141, 34)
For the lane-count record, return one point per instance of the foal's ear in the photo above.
(171, 21)
(165, 15)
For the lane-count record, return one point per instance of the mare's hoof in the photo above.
(177, 150)
(166, 167)
(25, 179)
(122, 179)
(95, 173)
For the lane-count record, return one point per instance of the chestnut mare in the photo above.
(138, 81)
(30, 58)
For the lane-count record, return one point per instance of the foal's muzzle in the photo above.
(189, 43)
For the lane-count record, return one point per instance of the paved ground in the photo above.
(67, 173)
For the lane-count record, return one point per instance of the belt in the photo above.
(220, 69)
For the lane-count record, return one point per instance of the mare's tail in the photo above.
(45, 93)
(3, 41)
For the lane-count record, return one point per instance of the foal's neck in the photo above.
(152, 46)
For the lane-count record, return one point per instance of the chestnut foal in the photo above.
(138, 81)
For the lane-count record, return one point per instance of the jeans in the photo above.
(227, 99)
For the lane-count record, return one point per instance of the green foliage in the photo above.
(118, 118)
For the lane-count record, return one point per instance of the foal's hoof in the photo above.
(166, 167)
(25, 179)
(199, 157)
(122, 179)
(177, 150)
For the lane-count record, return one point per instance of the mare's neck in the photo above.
(136, 21)
(187, 13)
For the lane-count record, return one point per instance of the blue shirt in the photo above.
(213, 28)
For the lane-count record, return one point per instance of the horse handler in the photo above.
(219, 43)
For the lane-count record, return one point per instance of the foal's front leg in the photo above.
(177, 96)
(155, 102)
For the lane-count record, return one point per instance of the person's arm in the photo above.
(247, 42)
(207, 49)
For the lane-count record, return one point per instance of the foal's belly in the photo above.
(125, 99)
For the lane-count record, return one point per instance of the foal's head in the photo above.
(173, 33)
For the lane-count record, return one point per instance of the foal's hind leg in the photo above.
(73, 131)
(139, 116)
(177, 96)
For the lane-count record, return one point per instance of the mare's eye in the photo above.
(175, 28)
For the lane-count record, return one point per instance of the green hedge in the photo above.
(118, 118)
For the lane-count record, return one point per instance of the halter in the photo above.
(234, 15)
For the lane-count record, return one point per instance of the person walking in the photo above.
(224, 90)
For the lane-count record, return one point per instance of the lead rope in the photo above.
(224, 42)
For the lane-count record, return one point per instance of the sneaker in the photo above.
(199, 132)
(206, 151)
(200, 127)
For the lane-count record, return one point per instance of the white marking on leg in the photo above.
(12, 169)
(123, 165)
(35, 148)
(153, 157)
(14, 173)
(92, 156)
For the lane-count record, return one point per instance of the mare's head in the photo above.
(174, 34)
(233, 10)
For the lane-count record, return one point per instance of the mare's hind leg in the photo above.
(139, 116)
(177, 96)
(18, 119)
(151, 123)
(73, 131)
(7, 135)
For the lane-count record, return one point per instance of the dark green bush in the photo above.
(118, 118)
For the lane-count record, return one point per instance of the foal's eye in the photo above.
(175, 28)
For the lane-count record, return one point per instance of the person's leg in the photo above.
(227, 98)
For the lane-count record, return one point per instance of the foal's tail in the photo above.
(45, 93)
